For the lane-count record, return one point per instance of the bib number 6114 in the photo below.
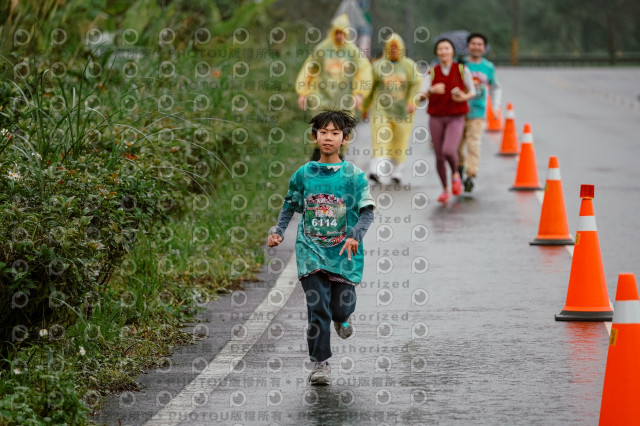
(324, 222)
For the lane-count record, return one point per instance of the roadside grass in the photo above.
(162, 209)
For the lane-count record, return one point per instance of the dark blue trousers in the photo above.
(327, 301)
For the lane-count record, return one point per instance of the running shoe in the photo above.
(321, 375)
(468, 184)
(456, 186)
(344, 329)
(444, 197)
(396, 176)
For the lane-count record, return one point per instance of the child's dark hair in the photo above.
(341, 119)
(477, 35)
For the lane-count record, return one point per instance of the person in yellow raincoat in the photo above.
(396, 88)
(336, 75)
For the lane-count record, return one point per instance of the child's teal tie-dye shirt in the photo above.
(329, 197)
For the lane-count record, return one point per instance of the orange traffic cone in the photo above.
(509, 136)
(621, 390)
(587, 297)
(554, 228)
(494, 122)
(527, 171)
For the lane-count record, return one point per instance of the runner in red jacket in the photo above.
(450, 89)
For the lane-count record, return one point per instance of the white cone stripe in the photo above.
(587, 223)
(510, 114)
(527, 137)
(626, 312)
(553, 174)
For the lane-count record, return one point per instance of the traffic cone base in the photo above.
(587, 316)
(526, 188)
(551, 242)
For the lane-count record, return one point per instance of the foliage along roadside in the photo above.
(120, 211)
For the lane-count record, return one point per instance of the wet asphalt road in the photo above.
(454, 321)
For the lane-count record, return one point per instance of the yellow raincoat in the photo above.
(396, 84)
(334, 74)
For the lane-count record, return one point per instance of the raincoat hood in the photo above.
(394, 38)
(340, 23)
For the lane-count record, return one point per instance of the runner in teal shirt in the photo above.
(484, 79)
(336, 205)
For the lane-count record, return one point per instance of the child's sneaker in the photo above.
(321, 375)
(456, 186)
(444, 197)
(344, 329)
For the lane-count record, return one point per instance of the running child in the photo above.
(336, 205)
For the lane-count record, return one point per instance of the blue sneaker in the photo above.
(344, 329)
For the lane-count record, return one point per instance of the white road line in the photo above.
(182, 404)
(607, 324)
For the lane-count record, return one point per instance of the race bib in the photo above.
(480, 88)
(325, 219)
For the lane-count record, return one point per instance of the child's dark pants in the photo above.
(327, 301)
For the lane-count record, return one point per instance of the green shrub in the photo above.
(69, 208)
(40, 393)
(117, 192)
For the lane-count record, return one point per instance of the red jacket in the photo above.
(440, 105)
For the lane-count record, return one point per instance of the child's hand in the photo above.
(352, 247)
(274, 240)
